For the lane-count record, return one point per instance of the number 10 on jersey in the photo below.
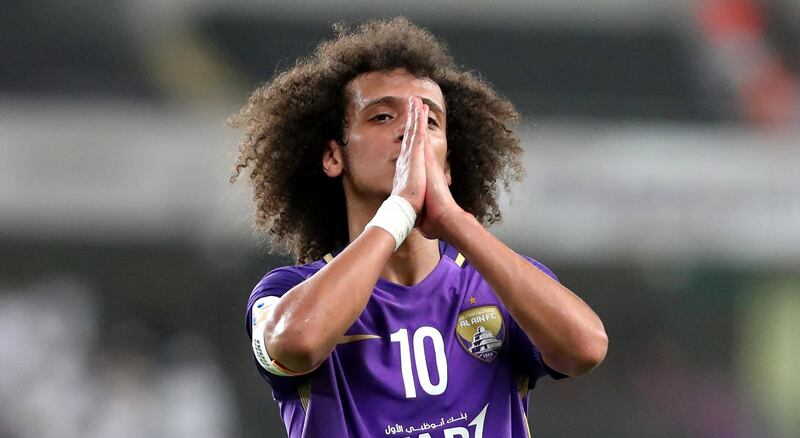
(401, 337)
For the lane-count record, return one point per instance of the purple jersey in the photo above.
(442, 358)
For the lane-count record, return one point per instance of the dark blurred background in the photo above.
(662, 147)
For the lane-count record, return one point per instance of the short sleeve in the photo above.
(274, 284)
(525, 355)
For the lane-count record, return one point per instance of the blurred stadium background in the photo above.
(663, 144)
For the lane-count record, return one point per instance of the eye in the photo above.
(432, 121)
(381, 117)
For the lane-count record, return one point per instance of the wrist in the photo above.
(409, 200)
(455, 225)
(396, 216)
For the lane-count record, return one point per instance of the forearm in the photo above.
(569, 334)
(307, 322)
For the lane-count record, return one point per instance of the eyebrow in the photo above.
(390, 100)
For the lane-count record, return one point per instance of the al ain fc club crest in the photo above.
(481, 332)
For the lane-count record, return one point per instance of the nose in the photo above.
(403, 122)
(400, 131)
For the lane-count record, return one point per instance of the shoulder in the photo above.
(278, 281)
(274, 285)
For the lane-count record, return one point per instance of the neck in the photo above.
(413, 260)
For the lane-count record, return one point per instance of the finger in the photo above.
(414, 127)
(417, 154)
(433, 169)
(430, 160)
(423, 123)
(409, 124)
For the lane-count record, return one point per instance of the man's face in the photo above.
(376, 119)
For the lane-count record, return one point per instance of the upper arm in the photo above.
(265, 296)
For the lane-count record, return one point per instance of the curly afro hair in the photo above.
(288, 121)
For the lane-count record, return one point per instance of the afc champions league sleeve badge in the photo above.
(481, 332)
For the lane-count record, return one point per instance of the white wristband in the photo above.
(396, 216)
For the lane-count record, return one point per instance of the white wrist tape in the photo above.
(397, 216)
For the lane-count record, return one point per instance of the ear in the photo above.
(332, 162)
(447, 172)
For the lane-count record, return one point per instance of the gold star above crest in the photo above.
(472, 300)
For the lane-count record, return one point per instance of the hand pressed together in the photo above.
(420, 178)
